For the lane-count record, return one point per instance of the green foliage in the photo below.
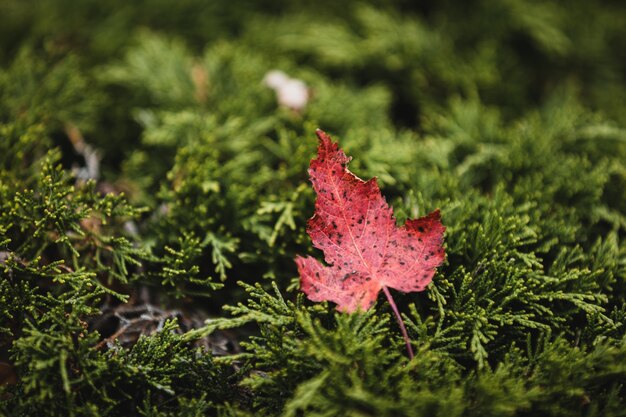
(508, 116)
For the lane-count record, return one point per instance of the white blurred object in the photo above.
(275, 78)
(290, 92)
(91, 170)
(293, 94)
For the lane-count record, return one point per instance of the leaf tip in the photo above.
(321, 134)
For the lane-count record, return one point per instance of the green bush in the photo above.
(141, 153)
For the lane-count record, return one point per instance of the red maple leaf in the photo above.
(364, 249)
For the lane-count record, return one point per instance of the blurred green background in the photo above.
(144, 160)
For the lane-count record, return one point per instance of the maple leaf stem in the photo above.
(405, 335)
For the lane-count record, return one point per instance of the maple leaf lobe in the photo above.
(364, 249)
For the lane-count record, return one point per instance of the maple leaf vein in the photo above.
(345, 219)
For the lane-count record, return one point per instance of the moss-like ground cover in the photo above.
(154, 195)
